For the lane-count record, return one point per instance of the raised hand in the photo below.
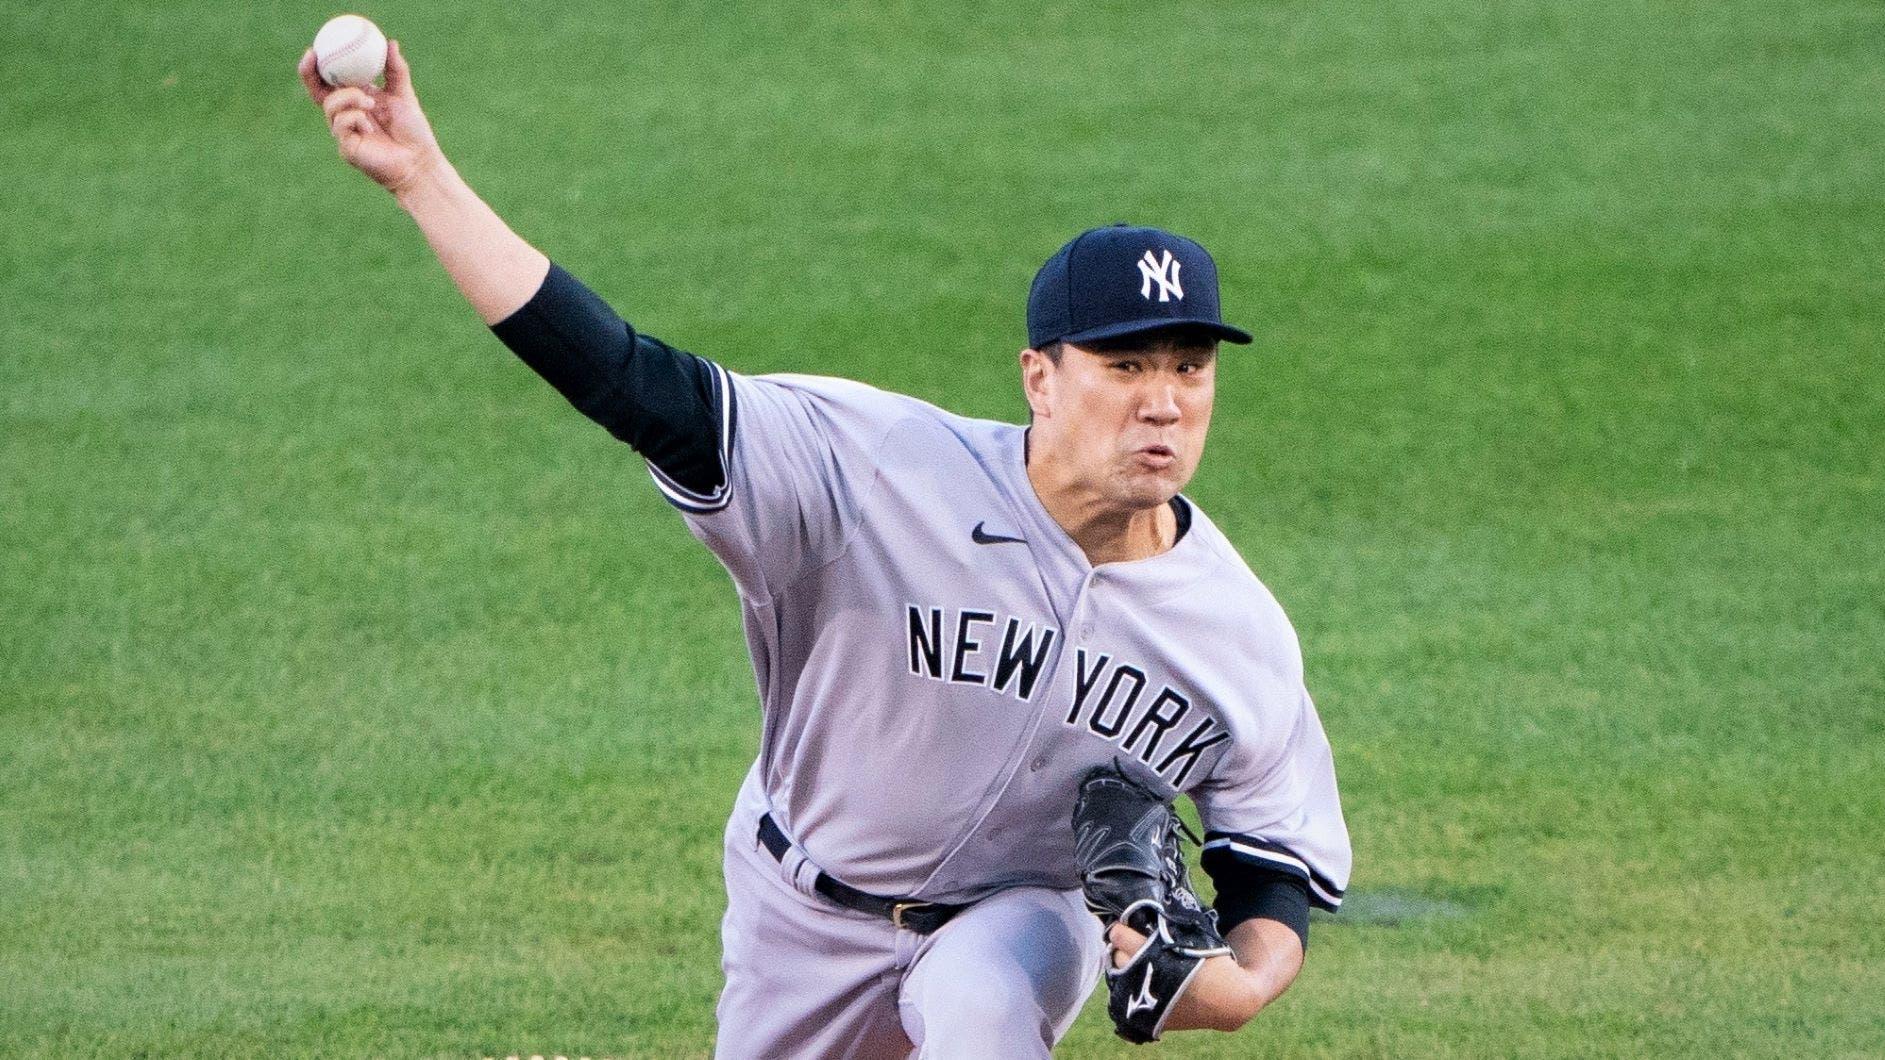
(382, 132)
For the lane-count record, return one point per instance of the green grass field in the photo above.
(357, 697)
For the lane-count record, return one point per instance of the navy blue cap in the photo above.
(1116, 281)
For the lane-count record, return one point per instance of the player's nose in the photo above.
(1158, 403)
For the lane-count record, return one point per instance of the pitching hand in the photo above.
(381, 131)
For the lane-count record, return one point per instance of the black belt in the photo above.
(907, 913)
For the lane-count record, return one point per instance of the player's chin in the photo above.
(1143, 487)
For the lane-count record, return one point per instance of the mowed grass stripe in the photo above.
(358, 698)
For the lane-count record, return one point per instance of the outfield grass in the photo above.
(357, 697)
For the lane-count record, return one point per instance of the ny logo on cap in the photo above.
(1162, 272)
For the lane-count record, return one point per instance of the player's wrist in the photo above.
(431, 181)
(1224, 996)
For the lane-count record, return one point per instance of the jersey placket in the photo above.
(1082, 621)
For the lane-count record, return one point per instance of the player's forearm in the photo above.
(494, 268)
(1229, 992)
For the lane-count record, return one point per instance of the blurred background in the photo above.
(357, 697)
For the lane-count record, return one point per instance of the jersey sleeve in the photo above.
(800, 455)
(1275, 810)
(668, 404)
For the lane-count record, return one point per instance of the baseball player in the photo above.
(951, 622)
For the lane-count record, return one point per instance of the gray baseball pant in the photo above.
(808, 978)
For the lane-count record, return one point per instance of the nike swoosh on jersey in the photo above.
(982, 537)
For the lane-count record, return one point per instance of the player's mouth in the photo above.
(1156, 457)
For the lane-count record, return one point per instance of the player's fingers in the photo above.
(354, 123)
(311, 78)
(1121, 954)
(398, 74)
(1122, 943)
(346, 99)
(1124, 940)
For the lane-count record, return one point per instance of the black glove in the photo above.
(1126, 845)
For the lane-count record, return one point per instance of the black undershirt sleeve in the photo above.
(1245, 892)
(662, 401)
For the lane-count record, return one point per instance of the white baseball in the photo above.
(350, 50)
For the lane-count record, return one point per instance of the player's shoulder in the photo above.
(827, 387)
(1244, 607)
(841, 396)
(1252, 665)
(849, 401)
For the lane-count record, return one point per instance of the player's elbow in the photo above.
(1222, 1022)
(1234, 1002)
(1231, 1019)
(1237, 998)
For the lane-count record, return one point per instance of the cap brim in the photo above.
(1215, 329)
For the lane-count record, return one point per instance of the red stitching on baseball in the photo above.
(358, 40)
(348, 47)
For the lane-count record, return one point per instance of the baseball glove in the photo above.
(1126, 845)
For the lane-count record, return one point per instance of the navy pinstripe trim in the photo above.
(1255, 850)
(703, 503)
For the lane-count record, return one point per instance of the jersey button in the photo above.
(1039, 763)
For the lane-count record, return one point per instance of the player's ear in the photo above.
(1037, 373)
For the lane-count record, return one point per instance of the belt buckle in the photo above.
(899, 908)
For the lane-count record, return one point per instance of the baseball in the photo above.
(350, 50)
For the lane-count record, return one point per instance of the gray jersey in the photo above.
(938, 663)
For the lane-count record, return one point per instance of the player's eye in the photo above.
(1126, 366)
